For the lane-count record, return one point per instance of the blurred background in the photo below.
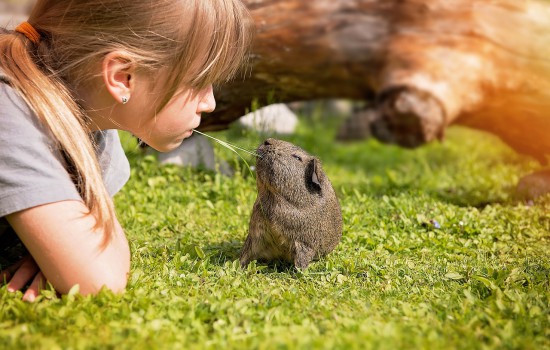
(12, 12)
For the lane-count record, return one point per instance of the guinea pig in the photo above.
(296, 217)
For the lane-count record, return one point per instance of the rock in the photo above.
(195, 151)
(325, 108)
(358, 126)
(275, 118)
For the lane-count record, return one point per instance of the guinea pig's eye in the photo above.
(297, 157)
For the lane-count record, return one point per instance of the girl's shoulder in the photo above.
(27, 147)
(33, 170)
(16, 118)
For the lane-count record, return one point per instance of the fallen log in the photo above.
(422, 65)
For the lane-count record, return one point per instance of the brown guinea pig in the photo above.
(296, 217)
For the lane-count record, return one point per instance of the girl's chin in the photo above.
(182, 138)
(167, 147)
(171, 145)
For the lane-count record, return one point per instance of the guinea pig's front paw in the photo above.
(244, 261)
(246, 253)
(303, 255)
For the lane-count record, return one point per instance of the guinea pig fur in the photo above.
(296, 217)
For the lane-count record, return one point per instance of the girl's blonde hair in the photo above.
(197, 42)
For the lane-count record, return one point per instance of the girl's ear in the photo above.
(118, 71)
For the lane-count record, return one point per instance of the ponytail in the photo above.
(53, 103)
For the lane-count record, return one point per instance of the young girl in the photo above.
(69, 75)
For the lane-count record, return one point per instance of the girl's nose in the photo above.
(207, 101)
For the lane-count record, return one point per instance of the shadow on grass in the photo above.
(472, 200)
(220, 253)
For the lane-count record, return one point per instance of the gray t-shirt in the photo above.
(32, 169)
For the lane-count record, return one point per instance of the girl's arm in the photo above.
(68, 251)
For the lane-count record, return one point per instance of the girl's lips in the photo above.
(185, 135)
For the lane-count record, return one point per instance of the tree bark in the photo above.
(422, 64)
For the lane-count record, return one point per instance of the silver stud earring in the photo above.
(124, 100)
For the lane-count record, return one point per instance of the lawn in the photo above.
(436, 254)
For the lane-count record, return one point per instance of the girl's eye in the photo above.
(297, 157)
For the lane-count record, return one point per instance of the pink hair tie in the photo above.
(28, 30)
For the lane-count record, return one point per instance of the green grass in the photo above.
(396, 281)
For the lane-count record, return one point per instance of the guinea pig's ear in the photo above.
(316, 173)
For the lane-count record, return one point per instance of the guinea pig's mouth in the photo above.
(266, 156)
(263, 151)
(264, 159)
